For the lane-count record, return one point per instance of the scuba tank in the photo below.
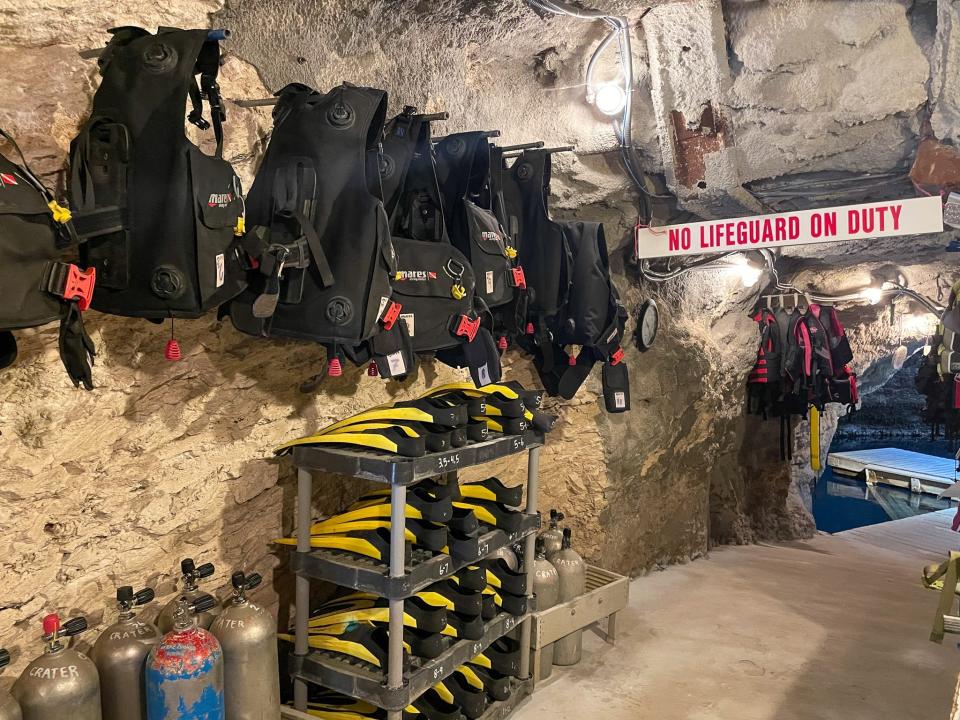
(506, 554)
(9, 709)
(120, 654)
(546, 588)
(185, 670)
(573, 583)
(248, 635)
(553, 535)
(191, 574)
(63, 683)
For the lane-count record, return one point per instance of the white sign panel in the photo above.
(915, 216)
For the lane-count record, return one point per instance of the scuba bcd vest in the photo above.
(318, 232)
(464, 174)
(38, 286)
(434, 281)
(803, 360)
(573, 301)
(409, 176)
(158, 214)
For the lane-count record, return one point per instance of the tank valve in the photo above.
(192, 573)
(243, 583)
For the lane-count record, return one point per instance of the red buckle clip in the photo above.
(467, 328)
(519, 279)
(391, 316)
(617, 357)
(79, 286)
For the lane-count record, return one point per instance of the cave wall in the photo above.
(165, 460)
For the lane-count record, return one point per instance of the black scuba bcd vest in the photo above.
(318, 232)
(434, 281)
(463, 169)
(158, 214)
(38, 287)
(409, 176)
(572, 299)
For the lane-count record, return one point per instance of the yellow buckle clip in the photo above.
(510, 252)
(241, 227)
(458, 291)
(60, 213)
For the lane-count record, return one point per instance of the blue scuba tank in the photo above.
(185, 670)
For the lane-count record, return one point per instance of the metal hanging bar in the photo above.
(485, 133)
(522, 146)
(258, 102)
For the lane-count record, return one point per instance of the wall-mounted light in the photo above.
(748, 273)
(610, 98)
(872, 295)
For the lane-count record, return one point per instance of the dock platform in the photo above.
(914, 471)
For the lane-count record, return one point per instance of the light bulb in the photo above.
(872, 295)
(610, 98)
(740, 267)
(749, 275)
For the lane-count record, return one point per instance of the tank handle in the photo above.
(73, 626)
(4, 657)
(202, 603)
(205, 570)
(142, 597)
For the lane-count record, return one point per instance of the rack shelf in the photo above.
(398, 684)
(518, 693)
(369, 576)
(405, 471)
(340, 674)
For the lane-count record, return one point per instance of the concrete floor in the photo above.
(834, 628)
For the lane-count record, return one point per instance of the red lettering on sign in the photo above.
(895, 211)
(853, 222)
(830, 223)
(679, 238)
(793, 226)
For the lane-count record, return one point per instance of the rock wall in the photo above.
(165, 460)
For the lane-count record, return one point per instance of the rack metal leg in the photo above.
(302, 618)
(529, 553)
(398, 524)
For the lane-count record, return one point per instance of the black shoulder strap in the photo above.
(208, 65)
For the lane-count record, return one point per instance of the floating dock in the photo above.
(914, 471)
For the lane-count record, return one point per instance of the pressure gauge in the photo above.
(648, 322)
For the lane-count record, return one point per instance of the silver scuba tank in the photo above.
(248, 636)
(553, 535)
(120, 654)
(9, 708)
(507, 554)
(546, 588)
(573, 583)
(184, 675)
(61, 684)
(191, 575)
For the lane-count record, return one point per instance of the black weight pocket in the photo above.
(217, 205)
(488, 256)
(424, 282)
